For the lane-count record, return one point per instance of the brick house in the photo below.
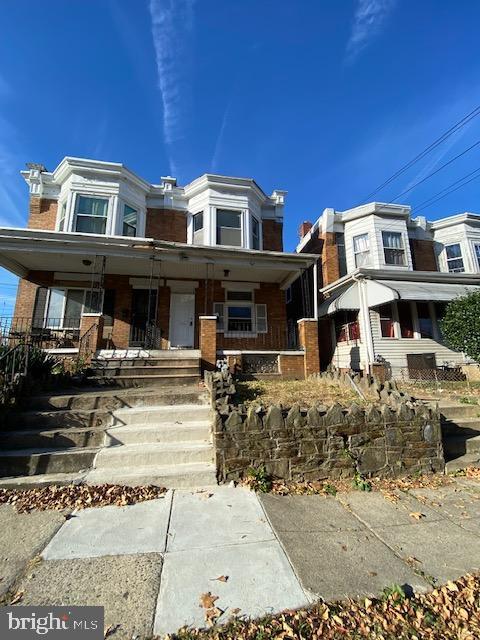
(154, 266)
(384, 281)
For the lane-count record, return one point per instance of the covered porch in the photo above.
(145, 294)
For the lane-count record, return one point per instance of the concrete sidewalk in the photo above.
(148, 564)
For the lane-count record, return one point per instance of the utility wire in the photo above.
(434, 198)
(436, 171)
(456, 127)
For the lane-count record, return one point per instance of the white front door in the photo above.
(182, 317)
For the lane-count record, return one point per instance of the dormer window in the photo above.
(91, 215)
(198, 228)
(454, 258)
(393, 248)
(130, 221)
(361, 249)
(229, 228)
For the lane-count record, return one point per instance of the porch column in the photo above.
(91, 334)
(308, 337)
(208, 341)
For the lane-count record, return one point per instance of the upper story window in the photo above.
(454, 258)
(229, 227)
(130, 221)
(198, 228)
(393, 248)
(91, 214)
(255, 233)
(361, 249)
(477, 254)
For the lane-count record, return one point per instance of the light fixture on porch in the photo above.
(226, 273)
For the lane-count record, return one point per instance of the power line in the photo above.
(448, 190)
(436, 171)
(456, 127)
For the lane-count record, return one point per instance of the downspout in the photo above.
(315, 290)
(365, 319)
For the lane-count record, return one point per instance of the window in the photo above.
(239, 319)
(393, 248)
(405, 319)
(387, 323)
(240, 315)
(130, 220)
(342, 258)
(261, 318)
(347, 327)
(425, 324)
(63, 213)
(197, 222)
(454, 258)
(64, 308)
(477, 253)
(229, 228)
(91, 214)
(255, 233)
(361, 249)
(245, 296)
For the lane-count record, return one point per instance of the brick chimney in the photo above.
(304, 228)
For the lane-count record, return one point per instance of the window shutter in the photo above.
(39, 308)
(261, 318)
(218, 310)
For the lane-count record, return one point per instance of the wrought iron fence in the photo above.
(53, 333)
(13, 370)
(245, 335)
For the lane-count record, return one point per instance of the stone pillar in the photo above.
(91, 334)
(308, 336)
(208, 341)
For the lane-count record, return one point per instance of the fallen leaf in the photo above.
(110, 629)
(235, 611)
(17, 597)
(211, 615)
(417, 515)
(207, 600)
(221, 578)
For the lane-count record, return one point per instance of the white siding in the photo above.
(395, 350)
(350, 354)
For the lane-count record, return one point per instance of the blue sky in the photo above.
(323, 98)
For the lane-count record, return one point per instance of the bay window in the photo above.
(393, 248)
(91, 214)
(229, 228)
(130, 221)
(454, 258)
(255, 233)
(63, 215)
(477, 254)
(198, 228)
(361, 249)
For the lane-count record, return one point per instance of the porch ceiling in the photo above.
(22, 251)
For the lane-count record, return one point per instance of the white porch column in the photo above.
(365, 324)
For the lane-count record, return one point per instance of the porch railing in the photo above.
(13, 370)
(275, 336)
(52, 333)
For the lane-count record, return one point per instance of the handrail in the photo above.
(14, 372)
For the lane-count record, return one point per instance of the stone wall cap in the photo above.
(208, 317)
(306, 320)
(92, 315)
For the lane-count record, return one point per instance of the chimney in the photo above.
(304, 228)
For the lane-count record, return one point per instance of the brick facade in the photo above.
(272, 235)
(166, 224)
(423, 255)
(292, 366)
(208, 341)
(308, 336)
(42, 214)
(330, 262)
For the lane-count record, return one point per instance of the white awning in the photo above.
(380, 292)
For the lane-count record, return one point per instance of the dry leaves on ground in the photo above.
(77, 496)
(451, 612)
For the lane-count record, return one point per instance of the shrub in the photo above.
(460, 325)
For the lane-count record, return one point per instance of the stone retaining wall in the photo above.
(396, 437)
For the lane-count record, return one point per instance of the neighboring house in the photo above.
(150, 259)
(385, 279)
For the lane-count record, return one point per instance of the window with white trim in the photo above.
(393, 248)
(91, 214)
(229, 228)
(255, 233)
(197, 223)
(361, 250)
(63, 215)
(454, 257)
(477, 254)
(130, 221)
(240, 315)
(65, 307)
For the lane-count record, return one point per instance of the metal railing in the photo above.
(13, 370)
(245, 335)
(52, 333)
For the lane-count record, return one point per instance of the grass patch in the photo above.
(307, 393)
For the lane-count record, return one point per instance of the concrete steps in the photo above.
(28, 462)
(124, 380)
(460, 424)
(159, 415)
(462, 462)
(195, 475)
(169, 432)
(153, 454)
(51, 438)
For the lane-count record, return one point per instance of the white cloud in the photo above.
(370, 16)
(172, 27)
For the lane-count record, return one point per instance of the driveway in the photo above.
(150, 564)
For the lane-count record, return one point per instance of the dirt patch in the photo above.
(307, 393)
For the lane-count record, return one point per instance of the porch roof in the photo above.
(25, 250)
(378, 292)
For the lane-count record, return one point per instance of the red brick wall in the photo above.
(166, 224)
(292, 366)
(423, 255)
(308, 338)
(208, 342)
(42, 214)
(272, 235)
(330, 264)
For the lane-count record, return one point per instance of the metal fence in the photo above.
(53, 333)
(245, 335)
